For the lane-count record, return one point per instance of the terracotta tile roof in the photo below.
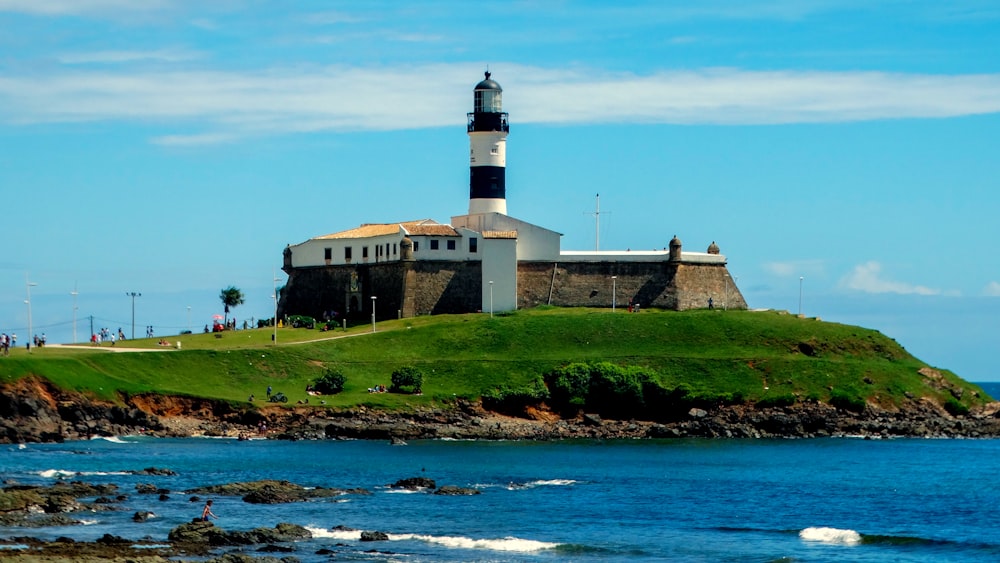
(500, 234)
(418, 227)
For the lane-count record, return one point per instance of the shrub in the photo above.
(955, 408)
(776, 401)
(843, 400)
(408, 376)
(331, 382)
(514, 399)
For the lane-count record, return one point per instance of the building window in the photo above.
(416, 245)
(394, 251)
(473, 244)
(347, 253)
(364, 252)
(495, 150)
(328, 254)
(451, 244)
(387, 249)
(434, 244)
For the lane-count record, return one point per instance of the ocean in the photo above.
(832, 499)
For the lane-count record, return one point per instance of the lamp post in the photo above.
(373, 313)
(189, 318)
(491, 299)
(74, 293)
(800, 295)
(614, 291)
(28, 285)
(133, 295)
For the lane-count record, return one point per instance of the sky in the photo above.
(842, 153)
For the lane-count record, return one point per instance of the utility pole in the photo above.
(597, 219)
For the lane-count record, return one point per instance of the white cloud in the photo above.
(343, 98)
(161, 55)
(79, 7)
(992, 289)
(868, 278)
(193, 140)
(795, 268)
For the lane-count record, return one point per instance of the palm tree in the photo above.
(231, 297)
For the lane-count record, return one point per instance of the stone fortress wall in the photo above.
(409, 289)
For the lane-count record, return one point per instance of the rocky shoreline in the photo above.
(31, 410)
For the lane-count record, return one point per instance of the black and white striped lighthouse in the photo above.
(488, 130)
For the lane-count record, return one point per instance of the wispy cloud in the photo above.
(992, 289)
(193, 140)
(79, 7)
(161, 55)
(868, 278)
(343, 98)
(795, 268)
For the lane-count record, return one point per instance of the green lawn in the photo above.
(758, 355)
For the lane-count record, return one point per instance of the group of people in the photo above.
(107, 335)
(7, 342)
(378, 389)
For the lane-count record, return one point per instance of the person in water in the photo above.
(207, 511)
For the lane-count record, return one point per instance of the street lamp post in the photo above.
(133, 295)
(800, 295)
(491, 298)
(373, 313)
(28, 286)
(614, 291)
(74, 293)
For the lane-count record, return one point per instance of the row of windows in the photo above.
(384, 251)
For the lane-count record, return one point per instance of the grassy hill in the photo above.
(768, 357)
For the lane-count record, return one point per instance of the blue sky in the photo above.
(172, 148)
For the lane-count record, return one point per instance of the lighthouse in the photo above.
(488, 130)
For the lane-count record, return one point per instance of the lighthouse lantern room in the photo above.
(488, 128)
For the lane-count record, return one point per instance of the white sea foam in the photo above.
(405, 491)
(112, 439)
(63, 473)
(334, 534)
(88, 522)
(459, 542)
(500, 544)
(57, 473)
(552, 482)
(830, 535)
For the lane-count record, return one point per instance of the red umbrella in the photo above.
(217, 317)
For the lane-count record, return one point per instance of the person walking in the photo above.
(207, 512)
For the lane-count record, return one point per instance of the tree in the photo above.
(231, 297)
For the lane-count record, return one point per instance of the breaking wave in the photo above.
(830, 536)
(508, 544)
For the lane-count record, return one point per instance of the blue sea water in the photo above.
(833, 499)
(684, 500)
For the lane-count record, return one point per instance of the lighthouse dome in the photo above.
(488, 84)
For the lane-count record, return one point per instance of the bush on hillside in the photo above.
(407, 376)
(785, 400)
(513, 399)
(848, 402)
(331, 382)
(607, 389)
(956, 408)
